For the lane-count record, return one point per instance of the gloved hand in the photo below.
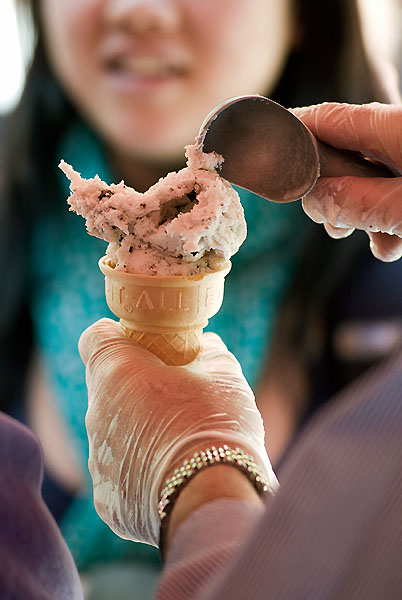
(145, 418)
(347, 203)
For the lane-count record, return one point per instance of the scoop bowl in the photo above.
(269, 151)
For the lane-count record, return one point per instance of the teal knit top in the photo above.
(68, 295)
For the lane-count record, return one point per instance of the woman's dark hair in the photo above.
(328, 63)
(28, 136)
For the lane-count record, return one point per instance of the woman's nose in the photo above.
(144, 16)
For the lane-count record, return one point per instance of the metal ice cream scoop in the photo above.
(269, 151)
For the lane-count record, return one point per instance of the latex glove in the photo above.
(145, 418)
(347, 203)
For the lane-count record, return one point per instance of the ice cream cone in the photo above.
(166, 314)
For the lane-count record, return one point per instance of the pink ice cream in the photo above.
(190, 222)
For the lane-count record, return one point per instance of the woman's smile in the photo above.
(144, 71)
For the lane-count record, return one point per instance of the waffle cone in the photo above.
(165, 314)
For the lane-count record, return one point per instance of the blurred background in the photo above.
(383, 30)
(326, 330)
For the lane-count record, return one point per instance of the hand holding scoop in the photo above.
(269, 151)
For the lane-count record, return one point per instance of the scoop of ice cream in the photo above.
(189, 222)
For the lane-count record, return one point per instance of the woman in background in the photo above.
(119, 88)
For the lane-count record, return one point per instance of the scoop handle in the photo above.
(339, 163)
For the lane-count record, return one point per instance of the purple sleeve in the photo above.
(334, 530)
(35, 563)
(204, 545)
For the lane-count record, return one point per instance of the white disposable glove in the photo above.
(347, 203)
(145, 418)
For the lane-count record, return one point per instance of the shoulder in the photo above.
(21, 455)
(340, 496)
(34, 559)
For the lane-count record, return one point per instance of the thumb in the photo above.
(373, 129)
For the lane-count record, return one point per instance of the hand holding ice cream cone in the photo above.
(144, 418)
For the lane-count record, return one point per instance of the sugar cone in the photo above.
(166, 314)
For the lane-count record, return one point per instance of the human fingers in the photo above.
(338, 233)
(370, 204)
(385, 247)
(373, 129)
(108, 335)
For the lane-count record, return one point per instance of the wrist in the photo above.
(216, 482)
(242, 478)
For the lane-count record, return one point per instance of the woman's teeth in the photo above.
(147, 66)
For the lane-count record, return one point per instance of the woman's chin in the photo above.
(160, 147)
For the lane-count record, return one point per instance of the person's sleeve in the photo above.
(35, 563)
(204, 545)
(334, 529)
